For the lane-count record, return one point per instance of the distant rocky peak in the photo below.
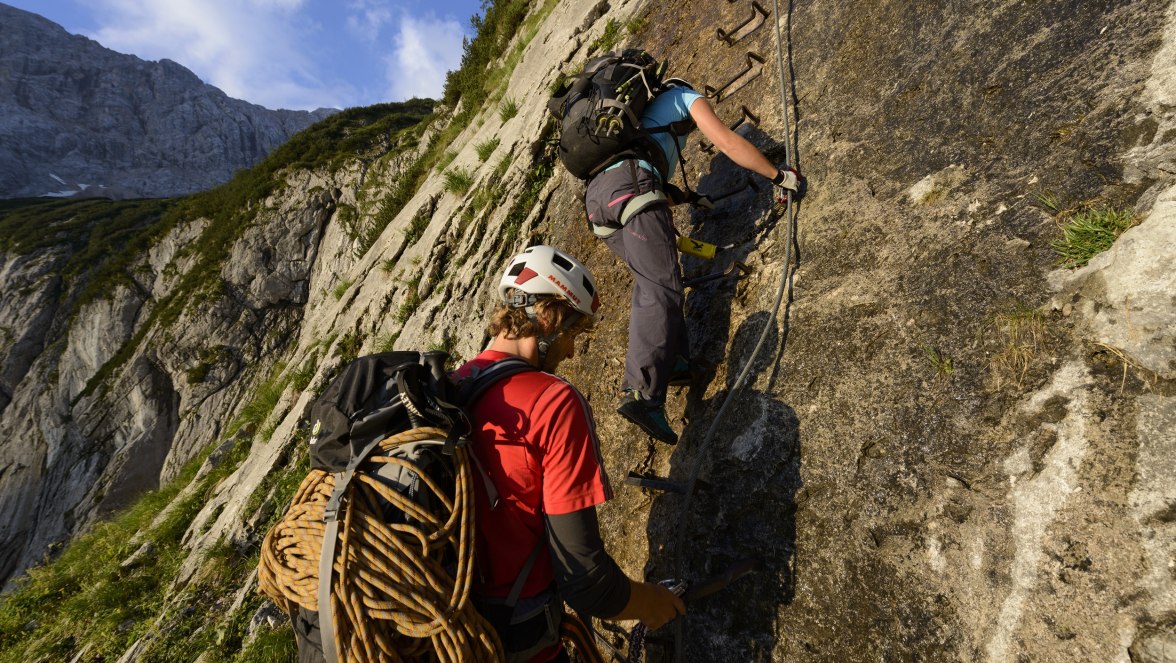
(77, 118)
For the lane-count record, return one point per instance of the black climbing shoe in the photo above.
(649, 416)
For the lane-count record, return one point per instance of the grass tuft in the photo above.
(607, 41)
(486, 148)
(1089, 232)
(341, 289)
(508, 109)
(940, 361)
(411, 301)
(1022, 333)
(257, 411)
(458, 181)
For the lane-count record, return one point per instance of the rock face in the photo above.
(946, 450)
(79, 118)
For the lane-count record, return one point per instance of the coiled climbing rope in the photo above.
(401, 591)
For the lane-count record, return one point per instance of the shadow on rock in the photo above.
(742, 509)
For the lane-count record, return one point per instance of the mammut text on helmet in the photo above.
(567, 291)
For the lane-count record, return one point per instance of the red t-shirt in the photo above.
(535, 437)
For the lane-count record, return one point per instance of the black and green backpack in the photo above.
(599, 111)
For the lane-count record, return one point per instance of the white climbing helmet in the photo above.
(545, 270)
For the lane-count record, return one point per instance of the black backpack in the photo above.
(375, 397)
(599, 112)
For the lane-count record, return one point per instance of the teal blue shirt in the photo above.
(670, 106)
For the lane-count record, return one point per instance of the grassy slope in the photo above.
(85, 601)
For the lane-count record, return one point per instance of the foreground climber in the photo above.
(535, 438)
(628, 201)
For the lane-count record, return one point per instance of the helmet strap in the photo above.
(527, 301)
(545, 342)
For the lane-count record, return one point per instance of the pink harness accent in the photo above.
(622, 198)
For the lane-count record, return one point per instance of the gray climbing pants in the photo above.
(647, 242)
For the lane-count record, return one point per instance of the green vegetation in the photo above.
(300, 379)
(88, 599)
(365, 131)
(458, 181)
(349, 345)
(257, 411)
(1021, 332)
(492, 34)
(411, 301)
(102, 237)
(537, 178)
(1089, 232)
(416, 228)
(208, 358)
(341, 288)
(508, 109)
(608, 40)
(387, 342)
(502, 167)
(941, 362)
(486, 148)
(1049, 200)
(472, 84)
(231, 208)
(278, 487)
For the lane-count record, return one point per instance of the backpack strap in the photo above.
(326, 569)
(470, 389)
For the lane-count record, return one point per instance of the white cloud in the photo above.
(301, 54)
(253, 50)
(367, 18)
(425, 49)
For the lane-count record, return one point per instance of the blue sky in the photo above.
(297, 54)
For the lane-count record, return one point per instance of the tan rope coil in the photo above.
(393, 599)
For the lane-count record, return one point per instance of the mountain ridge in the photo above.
(77, 118)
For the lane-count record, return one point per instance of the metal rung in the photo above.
(655, 483)
(737, 266)
(752, 59)
(729, 38)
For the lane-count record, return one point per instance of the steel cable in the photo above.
(769, 326)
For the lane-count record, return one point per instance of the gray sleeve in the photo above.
(588, 578)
